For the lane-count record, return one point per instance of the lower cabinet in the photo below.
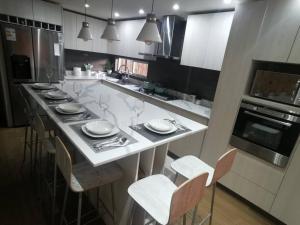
(254, 179)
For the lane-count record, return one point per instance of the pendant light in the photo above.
(85, 33)
(110, 32)
(149, 33)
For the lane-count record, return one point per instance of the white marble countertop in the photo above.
(183, 104)
(119, 113)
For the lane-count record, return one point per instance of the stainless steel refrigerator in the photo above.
(27, 54)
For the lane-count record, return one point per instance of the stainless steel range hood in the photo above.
(172, 32)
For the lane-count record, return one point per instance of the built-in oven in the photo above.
(266, 132)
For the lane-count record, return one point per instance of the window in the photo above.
(135, 67)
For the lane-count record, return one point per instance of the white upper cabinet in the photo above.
(33, 9)
(206, 39)
(17, 8)
(278, 31)
(99, 45)
(72, 26)
(295, 53)
(70, 30)
(128, 45)
(47, 12)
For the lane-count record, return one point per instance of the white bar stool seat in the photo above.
(154, 194)
(190, 166)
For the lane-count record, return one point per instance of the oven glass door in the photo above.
(271, 133)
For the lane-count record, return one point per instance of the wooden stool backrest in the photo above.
(187, 196)
(63, 159)
(224, 165)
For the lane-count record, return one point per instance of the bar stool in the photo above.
(82, 177)
(29, 130)
(163, 200)
(189, 166)
(45, 143)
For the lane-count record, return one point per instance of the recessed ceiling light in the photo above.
(176, 6)
(117, 14)
(86, 5)
(227, 1)
(141, 11)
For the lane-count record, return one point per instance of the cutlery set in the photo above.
(83, 116)
(177, 125)
(113, 142)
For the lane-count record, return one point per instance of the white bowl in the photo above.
(99, 127)
(160, 125)
(70, 107)
(42, 86)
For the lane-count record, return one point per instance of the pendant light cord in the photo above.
(152, 6)
(85, 10)
(112, 7)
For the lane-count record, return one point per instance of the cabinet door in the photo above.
(279, 30)
(128, 45)
(47, 12)
(206, 39)
(81, 44)
(99, 44)
(196, 39)
(70, 30)
(17, 8)
(295, 53)
(218, 37)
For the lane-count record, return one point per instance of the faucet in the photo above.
(125, 75)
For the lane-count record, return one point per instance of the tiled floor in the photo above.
(19, 206)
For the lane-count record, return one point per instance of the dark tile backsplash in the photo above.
(78, 58)
(190, 80)
(169, 73)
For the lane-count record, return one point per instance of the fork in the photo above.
(173, 121)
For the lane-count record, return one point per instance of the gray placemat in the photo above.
(154, 137)
(92, 141)
(87, 115)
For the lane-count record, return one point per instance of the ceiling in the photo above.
(129, 8)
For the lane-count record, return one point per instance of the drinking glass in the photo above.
(62, 83)
(49, 75)
(138, 108)
(77, 88)
(103, 103)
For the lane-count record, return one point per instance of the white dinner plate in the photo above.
(114, 131)
(55, 95)
(147, 126)
(161, 125)
(43, 86)
(69, 113)
(99, 127)
(70, 107)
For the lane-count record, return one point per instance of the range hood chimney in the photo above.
(172, 32)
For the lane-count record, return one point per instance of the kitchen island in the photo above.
(142, 157)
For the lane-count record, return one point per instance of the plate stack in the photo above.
(70, 108)
(160, 126)
(42, 86)
(99, 129)
(56, 95)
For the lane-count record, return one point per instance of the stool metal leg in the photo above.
(194, 215)
(64, 205)
(25, 146)
(112, 202)
(79, 208)
(184, 219)
(31, 151)
(175, 178)
(212, 202)
(54, 194)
